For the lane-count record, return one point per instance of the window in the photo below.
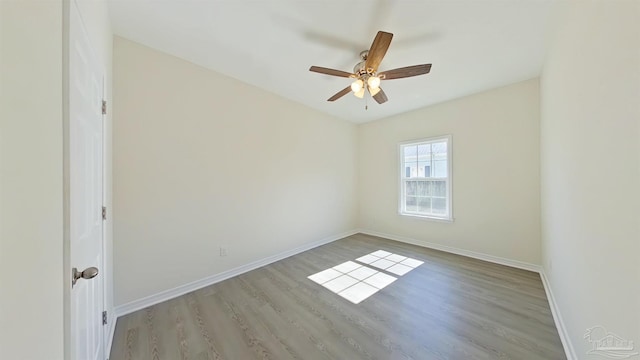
(425, 178)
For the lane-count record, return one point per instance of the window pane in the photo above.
(413, 169)
(439, 148)
(424, 188)
(410, 154)
(411, 188)
(440, 188)
(440, 168)
(422, 166)
(411, 203)
(439, 206)
(424, 205)
(424, 152)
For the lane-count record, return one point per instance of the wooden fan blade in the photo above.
(378, 50)
(340, 94)
(380, 97)
(404, 72)
(327, 71)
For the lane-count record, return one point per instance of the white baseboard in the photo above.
(198, 284)
(557, 318)
(468, 253)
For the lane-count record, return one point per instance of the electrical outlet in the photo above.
(223, 251)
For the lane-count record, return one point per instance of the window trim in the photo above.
(448, 217)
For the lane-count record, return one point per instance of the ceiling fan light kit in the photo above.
(366, 73)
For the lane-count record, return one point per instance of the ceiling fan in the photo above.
(366, 73)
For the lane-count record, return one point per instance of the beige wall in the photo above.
(203, 161)
(590, 142)
(496, 198)
(31, 201)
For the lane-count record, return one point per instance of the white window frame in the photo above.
(448, 216)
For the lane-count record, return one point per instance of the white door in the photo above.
(85, 202)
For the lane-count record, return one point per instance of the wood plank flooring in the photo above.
(451, 307)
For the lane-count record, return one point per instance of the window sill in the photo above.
(427, 217)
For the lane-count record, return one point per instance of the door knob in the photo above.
(88, 273)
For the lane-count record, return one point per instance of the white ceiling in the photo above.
(474, 45)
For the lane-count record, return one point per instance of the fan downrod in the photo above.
(360, 68)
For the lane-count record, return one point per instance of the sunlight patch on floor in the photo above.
(393, 263)
(356, 282)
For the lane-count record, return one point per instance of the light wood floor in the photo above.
(451, 307)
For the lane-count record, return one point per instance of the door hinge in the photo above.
(104, 213)
(104, 318)
(104, 107)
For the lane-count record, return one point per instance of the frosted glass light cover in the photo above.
(357, 85)
(373, 82)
